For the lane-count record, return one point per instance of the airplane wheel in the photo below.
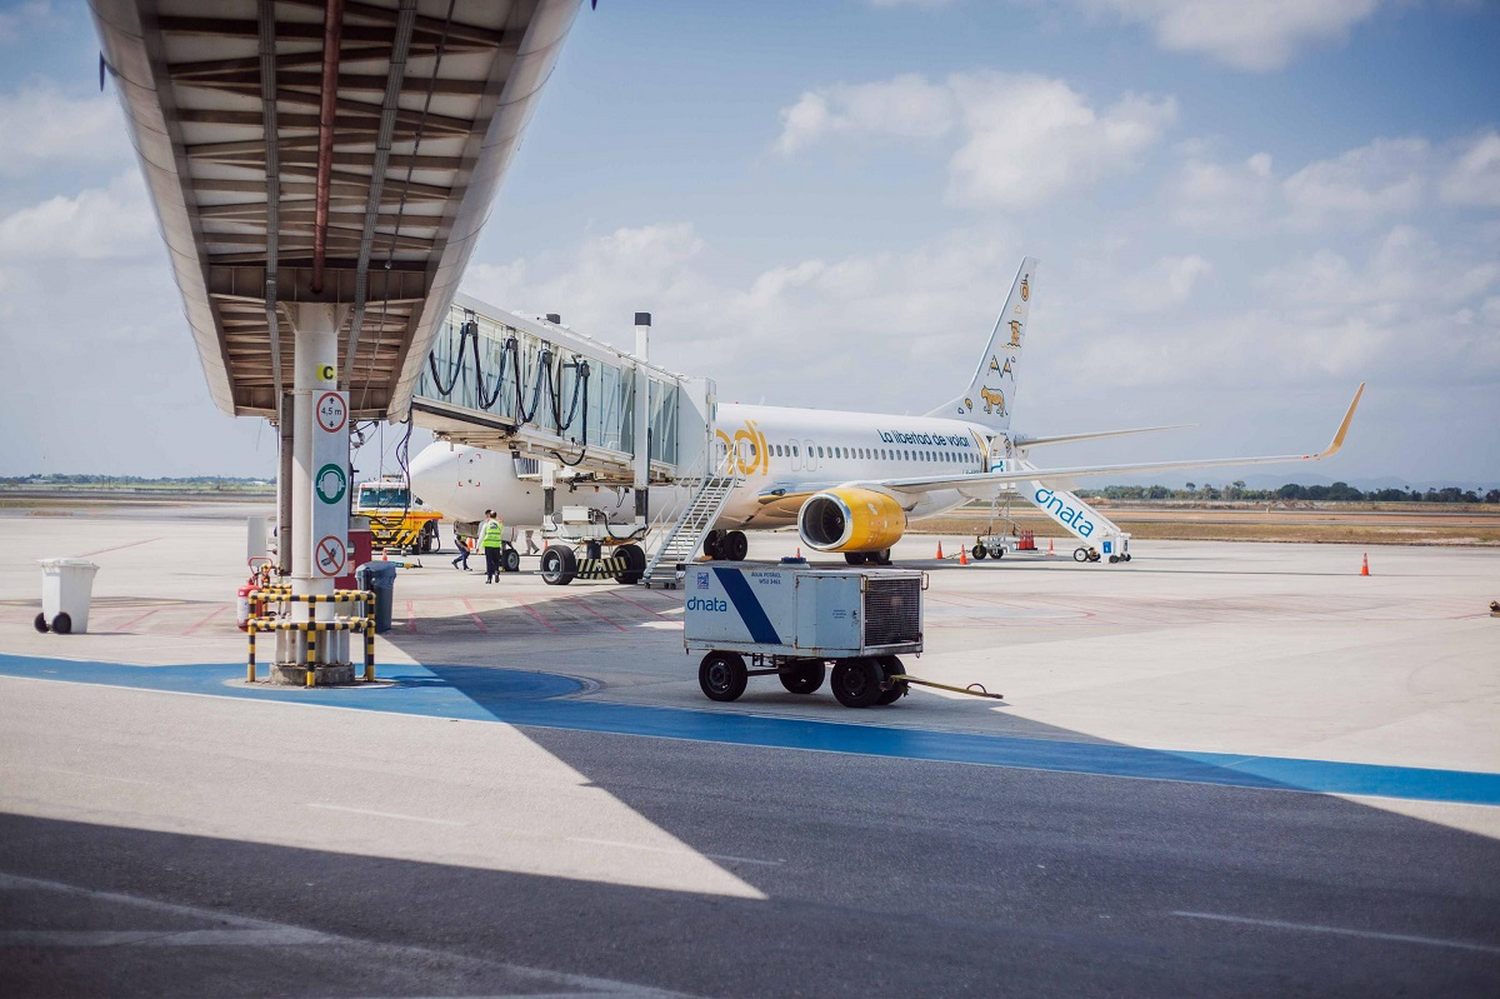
(735, 546)
(430, 542)
(1080, 554)
(712, 542)
(856, 558)
(879, 558)
(62, 624)
(978, 552)
(856, 682)
(559, 565)
(635, 564)
(41, 624)
(722, 675)
(891, 666)
(510, 561)
(802, 676)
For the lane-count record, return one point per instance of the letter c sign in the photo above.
(326, 372)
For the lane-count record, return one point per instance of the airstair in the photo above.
(690, 522)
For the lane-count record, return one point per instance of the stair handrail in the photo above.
(670, 522)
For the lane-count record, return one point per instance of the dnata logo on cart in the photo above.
(713, 604)
(1047, 500)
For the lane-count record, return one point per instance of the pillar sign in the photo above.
(330, 483)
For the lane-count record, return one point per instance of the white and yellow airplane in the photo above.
(849, 482)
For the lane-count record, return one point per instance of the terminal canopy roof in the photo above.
(344, 151)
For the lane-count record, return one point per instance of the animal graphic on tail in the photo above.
(994, 400)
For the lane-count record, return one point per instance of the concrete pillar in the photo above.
(642, 465)
(315, 327)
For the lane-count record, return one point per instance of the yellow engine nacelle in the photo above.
(851, 520)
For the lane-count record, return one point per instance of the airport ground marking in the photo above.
(534, 613)
(613, 624)
(541, 700)
(205, 620)
(385, 815)
(1278, 924)
(116, 548)
(478, 623)
(637, 603)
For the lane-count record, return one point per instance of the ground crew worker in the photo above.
(492, 540)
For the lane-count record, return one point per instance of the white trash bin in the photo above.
(67, 587)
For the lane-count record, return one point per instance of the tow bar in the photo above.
(970, 689)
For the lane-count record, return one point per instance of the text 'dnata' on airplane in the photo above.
(850, 483)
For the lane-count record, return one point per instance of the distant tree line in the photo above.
(129, 480)
(1339, 491)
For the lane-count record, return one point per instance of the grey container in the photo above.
(380, 578)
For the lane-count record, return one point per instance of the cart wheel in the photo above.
(635, 564)
(802, 676)
(891, 666)
(41, 624)
(1093, 556)
(978, 552)
(1126, 556)
(856, 558)
(1080, 554)
(722, 675)
(856, 682)
(559, 566)
(1113, 559)
(997, 553)
(63, 623)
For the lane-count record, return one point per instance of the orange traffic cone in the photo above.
(799, 551)
(1364, 569)
(1049, 547)
(963, 556)
(940, 551)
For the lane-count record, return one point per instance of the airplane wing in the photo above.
(1063, 476)
(1025, 442)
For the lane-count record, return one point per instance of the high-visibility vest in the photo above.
(492, 537)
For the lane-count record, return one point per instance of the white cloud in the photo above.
(1164, 285)
(1022, 139)
(1381, 179)
(1246, 34)
(1031, 139)
(906, 106)
(1475, 178)
(1211, 196)
(41, 128)
(110, 223)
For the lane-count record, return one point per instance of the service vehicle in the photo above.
(398, 520)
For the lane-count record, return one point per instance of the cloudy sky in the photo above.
(1243, 208)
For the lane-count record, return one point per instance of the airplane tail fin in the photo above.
(992, 391)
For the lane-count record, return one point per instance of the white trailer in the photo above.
(792, 621)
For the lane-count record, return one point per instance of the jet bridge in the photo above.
(538, 389)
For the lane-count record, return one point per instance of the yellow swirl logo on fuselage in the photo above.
(749, 461)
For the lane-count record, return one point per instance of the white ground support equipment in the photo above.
(1100, 537)
(790, 620)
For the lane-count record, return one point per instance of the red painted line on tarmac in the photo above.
(528, 608)
(205, 620)
(137, 620)
(411, 617)
(475, 615)
(648, 610)
(595, 613)
(116, 548)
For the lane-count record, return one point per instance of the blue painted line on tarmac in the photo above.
(519, 697)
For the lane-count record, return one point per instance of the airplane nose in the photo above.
(434, 474)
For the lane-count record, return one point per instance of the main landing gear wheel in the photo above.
(510, 560)
(856, 558)
(635, 564)
(856, 682)
(734, 546)
(891, 666)
(978, 552)
(711, 544)
(802, 676)
(559, 565)
(722, 675)
(878, 558)
(1080, 554)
